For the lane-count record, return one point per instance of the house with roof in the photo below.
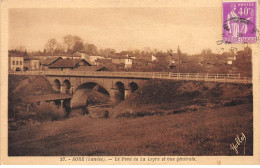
(92, 68)
(68, 64)
(48, 62)
(16, 62)
(93, 58)
(128, 62)
(230, 59)
(153, 58)
(63, 56)
(80, 55)
(31, 63)
(102, 62)
(118, 58)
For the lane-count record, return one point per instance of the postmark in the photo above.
(239, 22)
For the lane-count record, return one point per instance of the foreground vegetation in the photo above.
(203, 132)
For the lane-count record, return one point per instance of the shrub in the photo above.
(49, 112)
(234, 102)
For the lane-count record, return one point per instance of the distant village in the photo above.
(78, 58)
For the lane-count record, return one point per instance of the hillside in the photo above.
(167, 96)
(22, 86)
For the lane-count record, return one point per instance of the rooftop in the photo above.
(14, 55)
(92, 68)
(67, 63)
(104, 60)
(50, 60)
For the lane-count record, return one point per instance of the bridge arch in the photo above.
(133, 87)
(90, 93)
(95, 86)
(67, 86)
(57, 85)
(120, 91)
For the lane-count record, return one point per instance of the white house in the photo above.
(153, 58)
(92, 59)
(16, 62)
(230, 59)
(80, 55)
(32, 63)
(128, 62)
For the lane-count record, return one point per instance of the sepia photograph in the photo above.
(131, 81)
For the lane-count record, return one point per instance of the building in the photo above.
(92, 68)
(31, 64)
(68, 64)
(48, 62)
(230, 59)
(63, 56)
(128, 62)
(16, 62)
(101, 62)
(44, 57)
(118, 58)
(153, 58)
(93, 58)
(80, 55)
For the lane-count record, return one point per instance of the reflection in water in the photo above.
(66, 107)
(91, 108)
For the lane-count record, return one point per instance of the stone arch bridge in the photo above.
(121, 84)
(117, 88)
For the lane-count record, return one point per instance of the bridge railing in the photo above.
(229, 78)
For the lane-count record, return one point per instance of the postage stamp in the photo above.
(239, 22)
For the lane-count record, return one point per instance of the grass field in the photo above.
(203, 132)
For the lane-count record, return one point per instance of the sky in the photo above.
(193, 29)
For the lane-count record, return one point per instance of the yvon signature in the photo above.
(238, 142)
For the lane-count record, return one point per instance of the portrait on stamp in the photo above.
(239, 22)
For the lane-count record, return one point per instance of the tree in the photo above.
(206, 51)
(78, 46)
(51, 45)
(70, 41)
(244, 61)
(91, 49)
(147, 50)
(136, 52)
(155, 51)
(59, 49)
(108, 51)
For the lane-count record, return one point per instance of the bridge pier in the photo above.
(127, 93)
(112, 93)
(114, 97)
(65, 90)
(62, 89)
(71, 90)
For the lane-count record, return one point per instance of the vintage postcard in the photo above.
(130, 82)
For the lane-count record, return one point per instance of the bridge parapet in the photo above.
(224, 78)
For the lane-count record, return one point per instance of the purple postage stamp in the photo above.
(239, 21)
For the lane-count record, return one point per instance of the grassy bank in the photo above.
(21, 111)
(164, 97)
(202, 132)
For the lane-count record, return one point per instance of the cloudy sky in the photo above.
(193, 29)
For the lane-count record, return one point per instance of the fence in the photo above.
(226, 78)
